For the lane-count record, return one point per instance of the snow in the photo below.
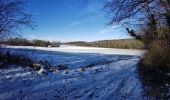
(41, 71)
(72, 60)
(93, 73)
(79, 49)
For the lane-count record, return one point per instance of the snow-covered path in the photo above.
(114, 81)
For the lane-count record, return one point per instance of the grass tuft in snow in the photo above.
(7, 59)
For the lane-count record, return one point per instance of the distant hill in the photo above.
(121, 43)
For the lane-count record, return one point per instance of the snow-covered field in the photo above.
(111, 75)
(79, 49)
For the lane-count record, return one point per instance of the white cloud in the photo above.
(109, 29)
(76, 23)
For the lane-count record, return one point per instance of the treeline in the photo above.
(25, 42)
(121, 43)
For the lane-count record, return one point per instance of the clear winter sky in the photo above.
(71, 20)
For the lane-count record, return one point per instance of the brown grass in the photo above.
(152, 71)
(158, 56)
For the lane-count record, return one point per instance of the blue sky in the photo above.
(71, 20)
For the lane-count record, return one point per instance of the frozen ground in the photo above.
(115, 80)
(78, 49)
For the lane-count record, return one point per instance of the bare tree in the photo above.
(13, 17)
(140, 16)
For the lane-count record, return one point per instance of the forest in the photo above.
(26, 42)
(121, 43)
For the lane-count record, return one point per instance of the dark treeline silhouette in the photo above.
(149, 22)
(13, 17)
(25, 42)
(121, 43)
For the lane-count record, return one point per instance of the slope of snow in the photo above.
(103, 82)
(69, 59)
(115, 80)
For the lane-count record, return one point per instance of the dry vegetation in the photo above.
(122, 43)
